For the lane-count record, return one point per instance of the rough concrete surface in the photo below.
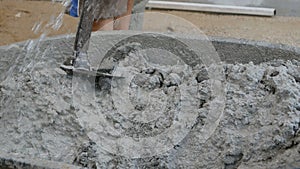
(43, 117)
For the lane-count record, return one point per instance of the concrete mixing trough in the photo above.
(229, 50)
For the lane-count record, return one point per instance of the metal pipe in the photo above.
(212, 8)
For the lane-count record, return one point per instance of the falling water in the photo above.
(26, 59)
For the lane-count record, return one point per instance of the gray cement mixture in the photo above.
(43, 117)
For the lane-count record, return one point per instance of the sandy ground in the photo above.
(19, 17)
(272, 29)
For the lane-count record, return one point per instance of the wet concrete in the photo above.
(229, 50)
(43, 117)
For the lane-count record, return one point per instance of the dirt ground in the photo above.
(22, 19)
(18, 17)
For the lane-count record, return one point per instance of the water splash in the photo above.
(25, 59)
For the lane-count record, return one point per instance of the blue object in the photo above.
(74, 8)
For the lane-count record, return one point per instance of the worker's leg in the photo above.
(103, 25)
(122, 22)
